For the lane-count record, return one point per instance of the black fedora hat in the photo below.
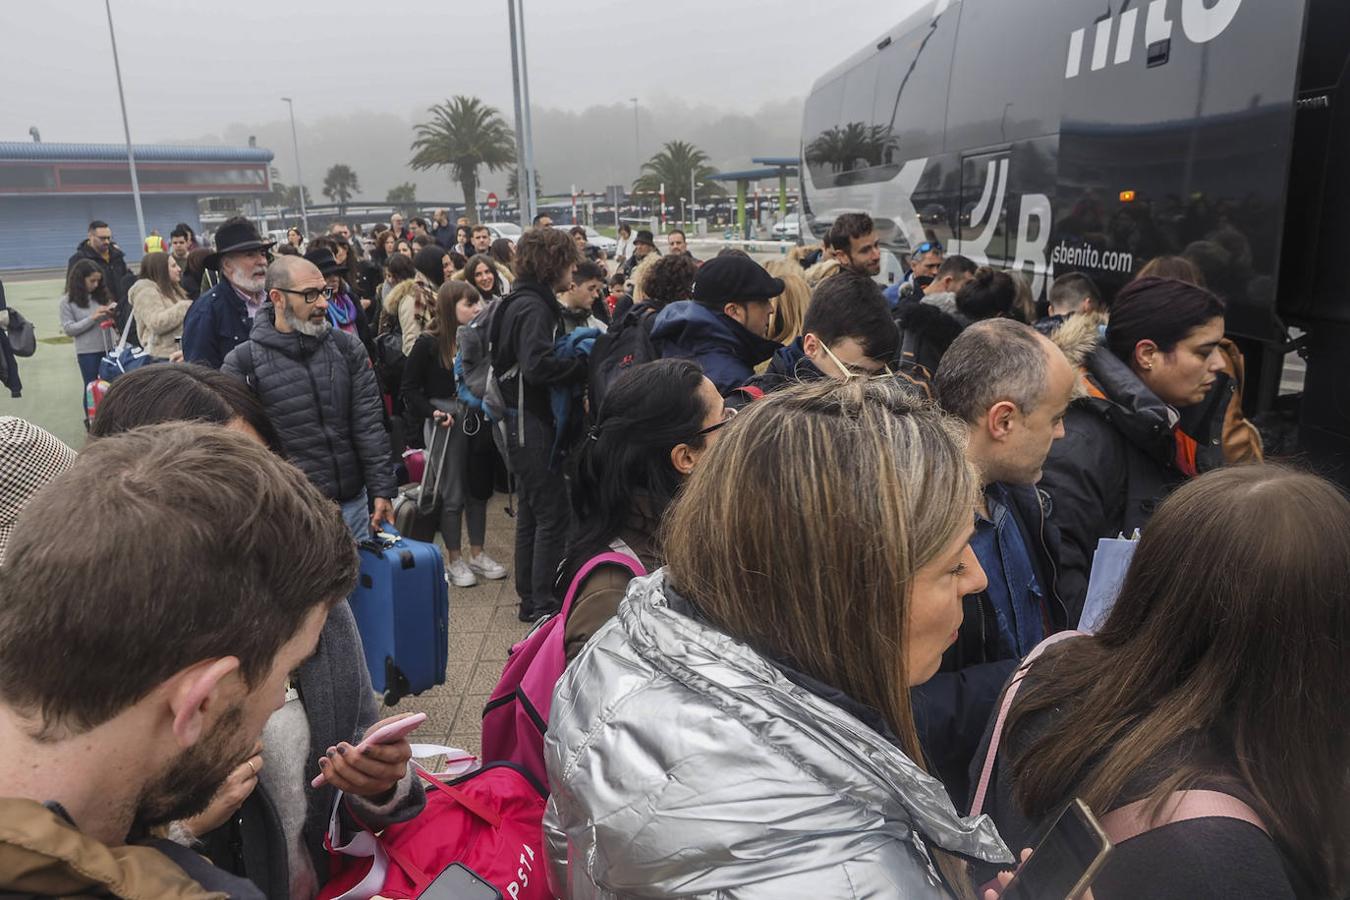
(235, 236)
(324, 259)
(644, 237)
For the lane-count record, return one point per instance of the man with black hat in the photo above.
(643, 245)
(220, 319)
(723, 328)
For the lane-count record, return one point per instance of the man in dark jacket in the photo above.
(99, 249)
(847, 333)
(644, 245)
(723, 328)
(319, 390)
(528, 366)
(1011, 386)
(220, 319)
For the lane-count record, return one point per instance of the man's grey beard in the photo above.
(243, 277)
(305, 326)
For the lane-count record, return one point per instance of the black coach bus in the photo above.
(1053, 136)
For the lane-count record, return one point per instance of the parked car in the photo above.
(505, 230)
(596, 239)
(788, 228)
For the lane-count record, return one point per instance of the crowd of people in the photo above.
(853, 517)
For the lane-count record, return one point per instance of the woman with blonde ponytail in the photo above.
(743, 728)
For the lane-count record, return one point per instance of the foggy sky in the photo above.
(193, 67)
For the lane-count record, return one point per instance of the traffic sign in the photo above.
(492, 201)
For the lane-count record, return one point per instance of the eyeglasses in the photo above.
(312, 295)
(928, 247)
(851, 372)
(728, 414)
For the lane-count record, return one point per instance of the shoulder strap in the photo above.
(610, 558)
(991, 755)
(1132, 819)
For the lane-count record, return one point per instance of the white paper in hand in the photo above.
(1109, 565)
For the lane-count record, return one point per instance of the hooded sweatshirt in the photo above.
(726, 350)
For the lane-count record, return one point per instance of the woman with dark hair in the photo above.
(657, 421)
(182, 393)
(463, 245)
(405, 247)
(295, 238)
(929, 323)
(195, 276)
(1130, 440)
(742, 728)
(88, 314)
(465, 479)
(1221, 668)
(159, 304)
(480, 272)
(503, 252)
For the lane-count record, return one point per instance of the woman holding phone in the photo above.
(1221, 668)
(737, 731)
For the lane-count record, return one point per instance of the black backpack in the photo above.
(628, 343)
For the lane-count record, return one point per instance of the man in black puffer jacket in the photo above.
(319, 390)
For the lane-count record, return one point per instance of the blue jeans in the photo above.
(356, 513)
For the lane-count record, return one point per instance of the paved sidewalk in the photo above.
(483, 627)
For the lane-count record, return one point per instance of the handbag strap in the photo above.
(122, 343)
(991, 755)
(611, 558)
(487, 814)
(1132, 819)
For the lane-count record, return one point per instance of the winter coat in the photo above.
(412, 303)
(43, 854)
(334, 686)
(1118, 457)
(217, 323)
(927, 326)
(9, 364)
(524, 332)
(669, 748)
(320, 393)
(724, 348)
(790, 365)
(159, 319)
(952, 708)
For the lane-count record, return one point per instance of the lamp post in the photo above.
(300, 179)
(126, 128)
(520, 80)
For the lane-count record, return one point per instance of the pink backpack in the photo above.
(516, 715)
(1132, 819)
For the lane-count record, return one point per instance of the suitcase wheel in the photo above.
(396, 683)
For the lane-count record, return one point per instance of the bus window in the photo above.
(820, 123)
(911, 94)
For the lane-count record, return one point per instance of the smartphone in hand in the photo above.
(386, 734)
(1066, 860)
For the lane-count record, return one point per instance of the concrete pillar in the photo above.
(740, 209)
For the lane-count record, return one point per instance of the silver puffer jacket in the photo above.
(682, 763)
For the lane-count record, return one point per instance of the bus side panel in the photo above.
(1176, 139)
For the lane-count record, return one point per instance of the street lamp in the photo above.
(126, 128)
(300, 179)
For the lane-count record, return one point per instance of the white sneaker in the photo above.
(460, 575)
(488, 567)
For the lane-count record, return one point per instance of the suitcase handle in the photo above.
(383, 539)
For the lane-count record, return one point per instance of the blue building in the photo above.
(50, 192)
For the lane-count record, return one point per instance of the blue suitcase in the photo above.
(402, 609)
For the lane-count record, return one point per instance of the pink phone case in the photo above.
(387, 734)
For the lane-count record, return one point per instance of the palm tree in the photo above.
(513, 184)
(463, 134)
(403, 197)
(674, 166)
(339, 184)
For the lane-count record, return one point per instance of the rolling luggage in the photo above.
(402, 609)
(409, 521)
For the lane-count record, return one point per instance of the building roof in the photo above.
(34, 151)
(790, 162)
(752, 174)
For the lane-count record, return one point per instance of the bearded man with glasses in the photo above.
(318, 388)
